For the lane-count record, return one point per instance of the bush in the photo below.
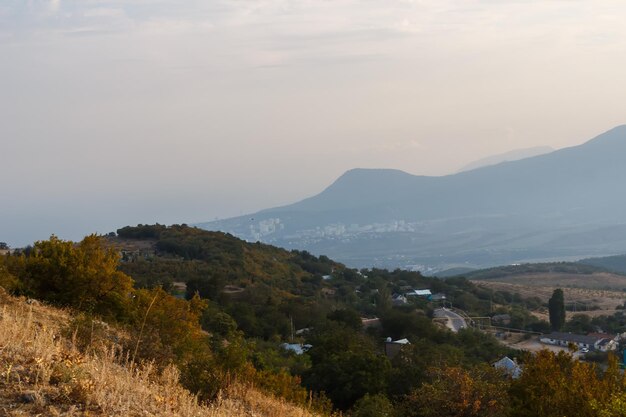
(373, 406)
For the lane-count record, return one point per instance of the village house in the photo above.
(392, 347)
(608, 343)
(591, 342)
(418, 293)
(437, 297)
(398, 300)
(501, 319)
(509, 367)
(296, 348)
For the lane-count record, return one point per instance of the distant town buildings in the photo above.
(267, 227)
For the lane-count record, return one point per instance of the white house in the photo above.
(419, 293)
(392, 347)
(398, 299)
(509, 367)
(296, 348)
(607, 343)
(564, 339)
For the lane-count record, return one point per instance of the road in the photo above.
(534, 345)
(455, 322)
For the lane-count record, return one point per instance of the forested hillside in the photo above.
(615, 263)
(573, 268)
(243, 301)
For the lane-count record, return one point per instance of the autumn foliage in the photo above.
(457, 392)
(158, 327)
(557, 385)
(439, 374)
(83, 276)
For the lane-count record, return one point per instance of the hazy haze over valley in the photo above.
(116, 113)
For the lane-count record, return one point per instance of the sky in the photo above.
(117, 112)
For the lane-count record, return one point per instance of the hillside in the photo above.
(226, 259)
(373, 345)
(501, 272)
(594, 290)
(564, 204)
(45, 373)
(615, 263)
(243, 303)
(238, 276)
(559, 274)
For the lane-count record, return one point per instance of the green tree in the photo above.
(345, 365)
(83, 276)
(579, 323)
(7, 280)
(349, 317)
(556, 307)
(166, 328)
(217, 322)
(373, 406)
(207, 287)
(411, 365)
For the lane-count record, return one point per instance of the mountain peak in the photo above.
(366, 173)
(369, 178)
(615, 135)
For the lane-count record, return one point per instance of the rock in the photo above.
(28, 397)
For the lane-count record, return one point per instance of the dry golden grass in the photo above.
(605, 300)
(595, 281)
(42, 373)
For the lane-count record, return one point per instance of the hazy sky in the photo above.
(135, 111)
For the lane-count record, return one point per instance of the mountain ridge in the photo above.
(513, 155)
(517, 206)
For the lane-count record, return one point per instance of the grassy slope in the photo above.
(561, 274)
(42, 373)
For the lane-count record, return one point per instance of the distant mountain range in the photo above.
(514, 155)
(566, 204)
